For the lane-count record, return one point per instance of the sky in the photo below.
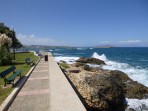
(78, 22)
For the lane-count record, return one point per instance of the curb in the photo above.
(7, 102)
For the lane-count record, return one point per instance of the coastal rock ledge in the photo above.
(91, 61)
(104, 90)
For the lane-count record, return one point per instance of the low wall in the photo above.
(62, 95)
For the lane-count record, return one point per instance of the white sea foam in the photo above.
(57, 54)
(136, 73)
(138, 105)
(81, 48)
(69, 60)
(101, 57)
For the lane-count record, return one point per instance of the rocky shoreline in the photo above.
(103, 90)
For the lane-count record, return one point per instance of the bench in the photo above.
(29, 61)
(12, 77)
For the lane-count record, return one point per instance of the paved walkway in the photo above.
(34, 96)
(62, 95)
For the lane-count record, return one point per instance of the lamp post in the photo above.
(12, 45)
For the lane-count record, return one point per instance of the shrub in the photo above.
(5, 56)
(64, 65)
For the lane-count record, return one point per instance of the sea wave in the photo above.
(57, 54)
(138, 104)
(101, 57)
(136, 73)
(69, 60)
(80, 48)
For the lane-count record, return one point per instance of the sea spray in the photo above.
(69, 60)
(132, 61)
(136, 73)
(101, 57)
(137, 104)
(57, 54)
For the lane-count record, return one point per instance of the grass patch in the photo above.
(64, 65)
(20, 64)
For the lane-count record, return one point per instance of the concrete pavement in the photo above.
(47, 89)
(34, 96)
(62, 95)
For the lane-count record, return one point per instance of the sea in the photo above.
(131, 60)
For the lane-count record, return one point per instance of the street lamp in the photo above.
(12, 45)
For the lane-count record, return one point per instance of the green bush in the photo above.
(64, 65)
(5, 56)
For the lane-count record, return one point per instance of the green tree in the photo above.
(5, 56)
(5, 44)
(11, 33)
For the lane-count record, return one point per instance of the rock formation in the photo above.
(91, 61)
(104, 90)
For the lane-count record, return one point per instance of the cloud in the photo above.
(34, 40)
(131, 41)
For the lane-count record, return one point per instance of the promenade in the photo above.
(47, 89)
(34, 95)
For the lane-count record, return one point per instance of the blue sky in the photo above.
(78, 22)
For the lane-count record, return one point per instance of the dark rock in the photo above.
(73, 70)
(61, 61)
(92, 69)
(87, 68)
(105, 90)
(130, 109)
(133, 88)
(108, 94)
(121, 76)
(145, 96)
(136, 90)
(91, 61)
(78, 64)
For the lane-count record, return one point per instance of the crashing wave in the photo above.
(69, 60)
(137, 104)
(101, 57)
(136, 73)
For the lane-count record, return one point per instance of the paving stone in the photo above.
(34, 95)
(39, 74)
